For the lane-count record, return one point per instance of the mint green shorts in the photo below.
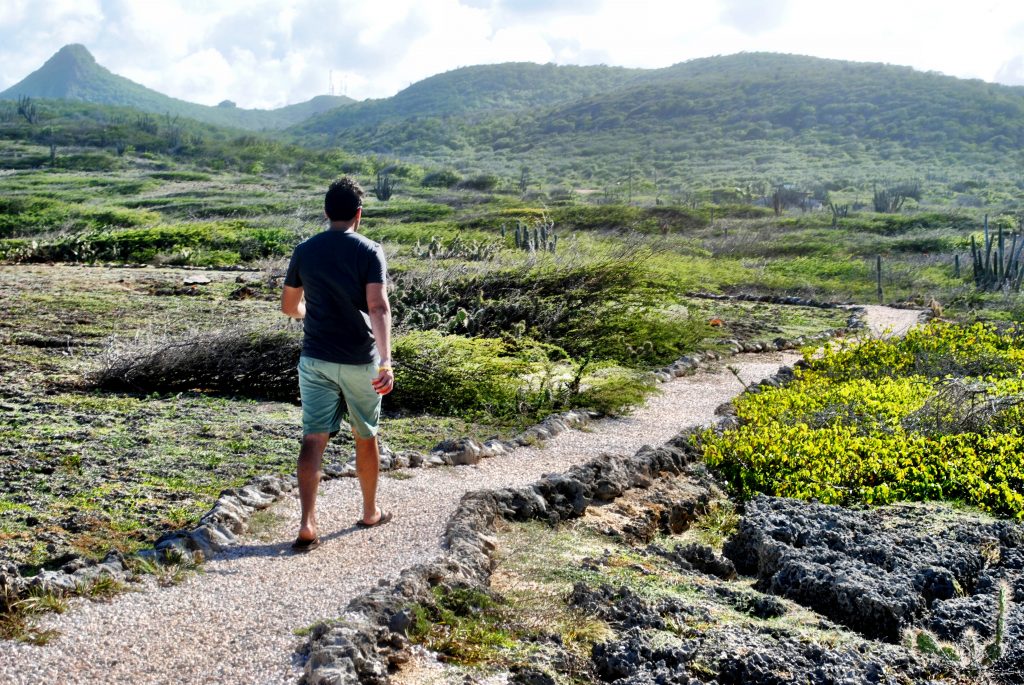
(328, 390)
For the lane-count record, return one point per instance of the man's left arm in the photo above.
(380, 323)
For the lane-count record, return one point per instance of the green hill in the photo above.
(477, 91)
(754, 114)
(73, 74)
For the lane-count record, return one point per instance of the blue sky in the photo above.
(267, 53)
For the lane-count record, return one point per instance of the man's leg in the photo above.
(368, 471)
(310, 458)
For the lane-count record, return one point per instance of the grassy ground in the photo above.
(85, 471)
(763, 322)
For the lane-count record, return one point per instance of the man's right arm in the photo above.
(380, 323)
(292, 303)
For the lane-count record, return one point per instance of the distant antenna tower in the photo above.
(330, 81)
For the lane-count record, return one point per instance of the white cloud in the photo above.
(267, 53)
(754, 16)
(1012, 71)
(12, 12)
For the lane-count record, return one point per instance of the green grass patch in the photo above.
(425, 431)
(181, 176)
(463, 625)
(202, 244)
(32, 215)
(407, 211)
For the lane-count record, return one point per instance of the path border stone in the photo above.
(371, 633)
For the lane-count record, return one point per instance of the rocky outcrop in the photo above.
(731, 656)
(881, 571)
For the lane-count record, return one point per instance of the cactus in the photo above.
(994, 649)
(969, 653)
(838, 212)
(1013, 267)
(27, 109)
(457, 249)
(385, 187)
(995, 267)
(878, 275)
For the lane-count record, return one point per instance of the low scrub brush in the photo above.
(233, 361)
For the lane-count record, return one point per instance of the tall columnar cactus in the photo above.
(878, 276)
(995, 267)
(385, 187)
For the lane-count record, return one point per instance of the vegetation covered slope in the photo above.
(746, 113)
(475, 92)
(73, 74)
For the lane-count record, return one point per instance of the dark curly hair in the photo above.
(343, 198)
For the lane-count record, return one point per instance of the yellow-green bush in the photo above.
(853, 427)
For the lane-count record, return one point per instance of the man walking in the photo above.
(337, 285)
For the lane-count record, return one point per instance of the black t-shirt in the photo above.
(333, 268)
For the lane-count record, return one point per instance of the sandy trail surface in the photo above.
(888, 322)
(235, 622)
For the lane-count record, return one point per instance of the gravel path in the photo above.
(887, 322)
(235, 622)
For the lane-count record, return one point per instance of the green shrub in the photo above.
(635, 335)
(665, 219)
(27, 215)
(129, 187)
(612, 309)
(935, 351)
(614, 390)
(30, 215)
(89, 161)
(444, 178)
(456, 376)
(603, 217)
(898, 224)
(181, 176)
(204, 244)
(481, 182)
(465, 625)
